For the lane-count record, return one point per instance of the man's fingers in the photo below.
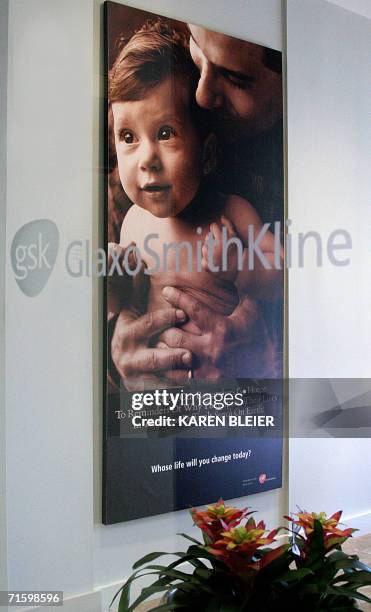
(150, 324)
(245, 317)
(161, 345)
(177, 338)
(157, 360)
(146, 383)
(203, 316)
(179, 377)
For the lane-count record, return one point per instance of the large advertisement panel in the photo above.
(194, 291)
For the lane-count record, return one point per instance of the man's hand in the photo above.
(227, 346)
(138, 364)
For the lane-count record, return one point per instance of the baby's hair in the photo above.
(153, 54)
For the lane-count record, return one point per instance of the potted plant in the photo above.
(235, 568)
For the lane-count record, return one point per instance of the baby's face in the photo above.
(158, 149)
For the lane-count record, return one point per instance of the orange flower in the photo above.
(332, 535)
(238, 545)
(216, 518)
(245, 538)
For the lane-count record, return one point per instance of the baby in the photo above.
(166, 158)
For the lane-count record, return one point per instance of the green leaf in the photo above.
(351, 563)
(230, 607)
(188, 587)
(201, 553)
(125, 590)
(170, 607)
(176, 574)
(152, 556)
(359, 577)
(125, 595)
(168, 571)
(195, 562)
(276, 568)
(187, 537)
(317, 549)
(293, 575)
(341, 592)
(190, 559)
(158, 587)
(350, 606)
(116, 595)
(167, 574)
(311, 589)
(203, 573)
(213, 605)
(361, 596)
(337, 555)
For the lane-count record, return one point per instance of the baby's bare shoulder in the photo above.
(235, 203)
(132, 226)
(239, 210)
(136, 214)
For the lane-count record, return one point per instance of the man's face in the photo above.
(245, 95)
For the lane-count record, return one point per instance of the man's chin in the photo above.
(233, 130)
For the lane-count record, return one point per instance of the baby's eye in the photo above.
(165, 132)
(127, 136)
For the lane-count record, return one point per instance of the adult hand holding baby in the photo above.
(138, 364)
(143, 367)
(228, 346)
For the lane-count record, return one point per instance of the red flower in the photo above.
(216, 518)
(237, 547)
(332, 535)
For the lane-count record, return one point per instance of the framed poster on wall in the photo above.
(194, 291)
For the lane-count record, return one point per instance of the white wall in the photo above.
(3, 96)
(53, 393)
(259, 22)
(49, 338)
(361, 7)
(328, 52)
(53, 389)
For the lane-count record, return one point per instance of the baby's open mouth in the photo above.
(155, 187)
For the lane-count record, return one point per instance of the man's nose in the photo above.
(149, 157)
(207, 93)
